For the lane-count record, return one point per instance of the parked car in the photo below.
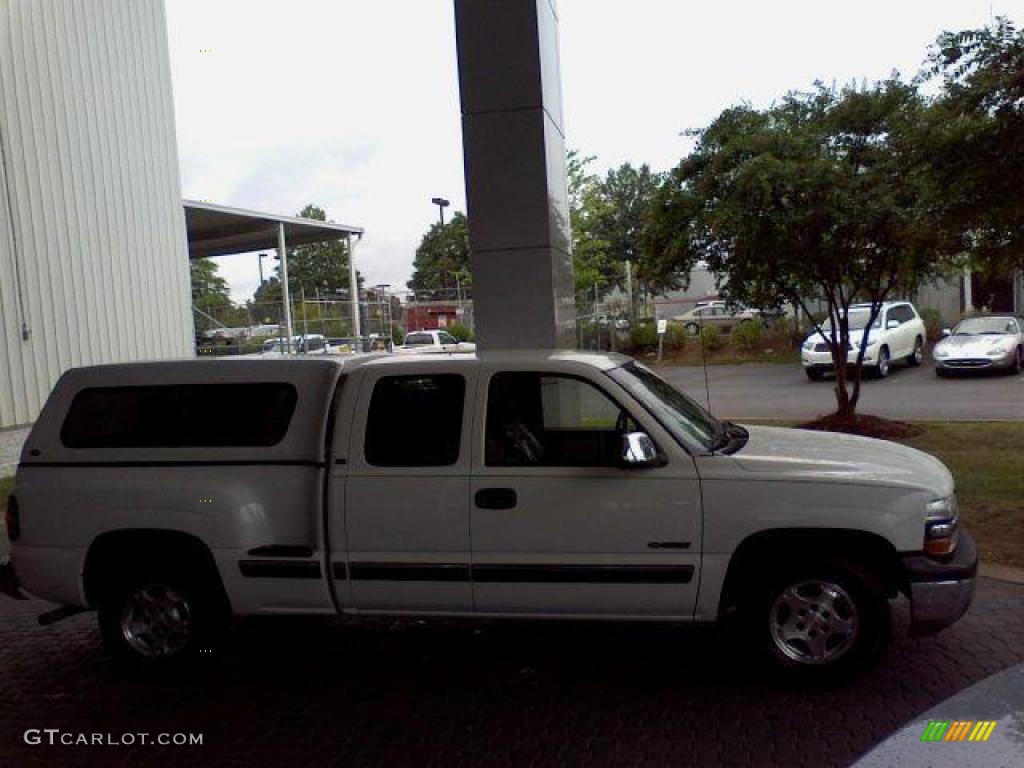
(308, 344)
(716, 314)
(426, 342)
(898, 333)
(510, 484)
(983, 342)
(619, 322)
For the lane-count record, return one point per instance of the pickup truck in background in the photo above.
(171, 496)
(426, 342)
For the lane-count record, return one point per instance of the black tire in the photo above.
(831, 591)
(882, 368)
(194, 609)
(815, 374)
(917, 356)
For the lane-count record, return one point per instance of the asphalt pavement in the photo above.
(782, 391)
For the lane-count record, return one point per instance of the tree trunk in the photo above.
(845, 405)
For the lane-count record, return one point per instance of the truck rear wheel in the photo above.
(160, 617)
(821, 622)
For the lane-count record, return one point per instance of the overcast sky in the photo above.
(354, 106)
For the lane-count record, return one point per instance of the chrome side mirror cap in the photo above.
(639, 451)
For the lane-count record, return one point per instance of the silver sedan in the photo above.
(983, 342)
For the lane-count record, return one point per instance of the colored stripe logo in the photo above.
(958, 730)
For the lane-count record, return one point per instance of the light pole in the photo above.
(441, 204)
(262, 257)
(383, 300)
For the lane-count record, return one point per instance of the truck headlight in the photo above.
(941, 524)
(940, 351)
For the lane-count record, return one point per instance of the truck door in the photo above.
(402, 501)
(559, 527)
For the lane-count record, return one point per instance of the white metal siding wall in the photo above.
(90, 201)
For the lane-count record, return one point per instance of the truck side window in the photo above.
(552, 421)
(180, 416)
(415, 421)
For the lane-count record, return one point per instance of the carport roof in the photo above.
(218, 230)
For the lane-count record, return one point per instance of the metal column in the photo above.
(285, 293)
(514, 152)
(353, 291)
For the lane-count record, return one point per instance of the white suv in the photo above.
(898, 333)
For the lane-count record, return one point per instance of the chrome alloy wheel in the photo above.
(813, 622)
(156, 621)
(883, 363)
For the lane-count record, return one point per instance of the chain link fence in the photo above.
(258, 327)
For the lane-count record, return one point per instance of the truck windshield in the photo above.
(687, 421)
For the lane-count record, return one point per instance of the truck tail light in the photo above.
(940, 536)
(12, 519)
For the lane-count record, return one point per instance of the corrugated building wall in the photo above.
(93, 256)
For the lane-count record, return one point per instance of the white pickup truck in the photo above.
(427, 342)
(170, 496)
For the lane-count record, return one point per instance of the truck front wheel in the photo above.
(161, 617)
(821, 622)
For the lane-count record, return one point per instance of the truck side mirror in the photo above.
(639, 451)
(946, 332)
(893, 324)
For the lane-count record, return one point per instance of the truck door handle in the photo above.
(495, 498)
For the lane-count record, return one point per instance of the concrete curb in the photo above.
(1002, 572)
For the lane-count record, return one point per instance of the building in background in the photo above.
(951, 297)
(93, 257)
(433, 310)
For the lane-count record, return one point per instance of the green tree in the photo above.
(591, 259)
(975, 141)
(442, 257)
(626, 194)
(821, 196)
(211, 300)
(318, 268)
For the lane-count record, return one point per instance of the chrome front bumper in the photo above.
(941, 592)
(934, 605)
